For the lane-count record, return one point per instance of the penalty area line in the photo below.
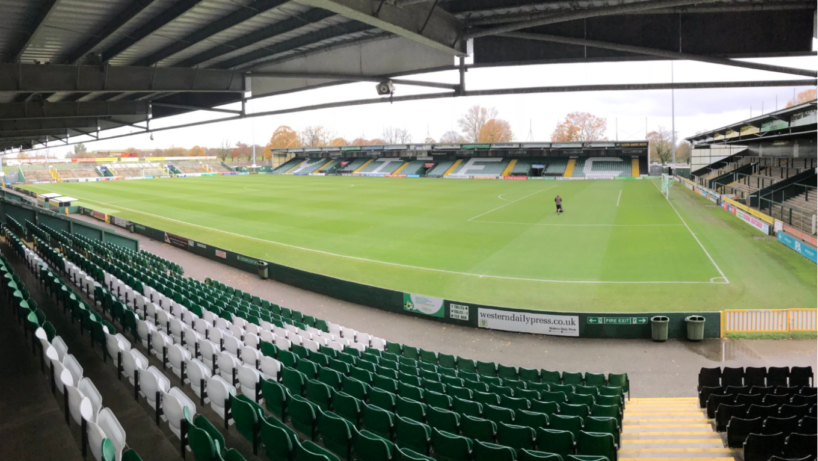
(428, 269)
(726, 280)
(509, 203)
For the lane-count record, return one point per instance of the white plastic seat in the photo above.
(281, 332)
(75, 399)
(358, 346)
(233, 345)
(95, 437)
(249, 379)
(270, 367)
(151, 382)
(250, 328)
(378, 343)
(363, 338)
(238, 322)
(162, 320)
(144, 330)
(265, 325)
(196, 372)
(86, 386)
(348, 333)
(133, 362)
(192, 338)
(238, 332)
(334, 329)
(219, 392)
(268, 336)
(222, 323)
(336, 345)
(216, 335)
(139, 303)
(209, 352)
(176, 329)
(159, 342)
(116, 344)
(173, 406)
(296, 339)
(112, 429)
(322, 340)
(291, 329)
(251, 340)
(227, 364)
(209, 316)
(63, 377)
(311, 345)
(250, 356)
(150, 310)
(201, 326)
(283, 343)
(72, 365)
(177, 357)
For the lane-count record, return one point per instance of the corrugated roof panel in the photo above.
(71, 23)
(198, 17)
(328, 43)
(266, 19)
(15, 24)
(146, 15)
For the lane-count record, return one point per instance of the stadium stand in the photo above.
(136, 169)
(218, 168)
(352, 165)
(190, 167)
(76, 173)
(522, 167)
(415, 167)
(440, 169)
(382, 165)
(555, 166)
(284, 167)
(481, 166)
(38, 174)
(602, 167)
(350, 390)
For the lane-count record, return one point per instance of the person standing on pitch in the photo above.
(558, 201)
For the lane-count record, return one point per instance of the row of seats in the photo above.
(78, 173)
(711, 397)
(755, 376)
(83, 402)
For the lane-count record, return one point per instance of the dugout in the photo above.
(65, 205)
(44, 198)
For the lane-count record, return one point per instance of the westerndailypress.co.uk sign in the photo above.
(524, 322)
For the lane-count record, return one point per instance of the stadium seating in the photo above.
(440, 169)
(602, 167)
(74, 173)
(39, 174)
(218, 168)
(286, 166)
(481, 166)
(352, 165)
(415, 167)
(189, 167)
(319, 370)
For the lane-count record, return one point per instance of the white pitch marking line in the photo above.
(509, 203)
(468, 274)
(620, 196)
(577, 225)
(726, 280)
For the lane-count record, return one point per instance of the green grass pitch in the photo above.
(620, 245)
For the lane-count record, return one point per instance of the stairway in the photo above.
(363, 166)
(453, 167)
(400, 168)
(510, 167)
(634, 167)
(666, 429)
(569, 170)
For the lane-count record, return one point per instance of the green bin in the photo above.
(658, 327)
(695, 327)
(263, 270)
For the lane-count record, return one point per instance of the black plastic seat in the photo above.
(760, 447)
(706, 391)
(799, 411)
(777, 376)
(739, 428)
(800, 445)
(749, 399)
(763, 390)
(786, 426)
(724, 412)
(787, 390)
(715, 400)
(801, 399)
(777, 400)
(736, 390)
(762, 411)
(801, 376)
(709, 377)
(732, 377)
(808, 425)
(808, 391)
(755, 376)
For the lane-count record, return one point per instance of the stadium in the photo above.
(472, 298)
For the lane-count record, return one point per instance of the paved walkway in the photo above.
(656, 370)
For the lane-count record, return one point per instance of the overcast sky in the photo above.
(532, 116)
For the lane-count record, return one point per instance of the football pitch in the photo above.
(620, 245)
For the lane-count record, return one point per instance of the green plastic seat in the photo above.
(362, 375)
(555, 441)
(378, 421)
(565, 388)
(382, 399)
(498, 414)
(443, 420)
(478, 428)
(611, 411)
(493, 380)
(446, 361)
(431, 381)
(438, 400)
(451, 380)
(278, 442)
(529, 394)
(553, 396)
(309, 451)
(468, 375)
(580, 399)
(411, 352)
(572, 424)
(514, 403)
(575, 410)
(464, 364)
(293, 380)
(409, 391)
(529, 375)
(551, 377)
(447, 371)
(517, 437)
(347, 407)
(413, 380)
(330, 377)
(507, 372)
(411, 409)
(394, 348)
(247, 416)
(475, 385)
(572, 378)
(336, 434)
(275, 398)
(595, 379)
(319, 394)
(405, 454)
(545, 407)
(586, 458)
(596, 444)
(108, 450)
(371, 447)
(603, 424)
(486, 368)
(202, 423)
(287, 358)
(410, 369)
(615, 400)
(486, 398)
(131, 455)
(339, 366)
(413, 435)
(530, 418)
(384, 383)
(502, 390)
(619, 380)
(303, 415)
(467, 407)
(451, 447)
(355, 388)
(533, 455)
(484, 451)
(427, 357)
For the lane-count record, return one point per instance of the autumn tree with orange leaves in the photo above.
(580, 126)
(802, 97)
(196, 151)
(339, 142)
(495, 130)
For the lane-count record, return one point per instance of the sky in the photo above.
(533, 117)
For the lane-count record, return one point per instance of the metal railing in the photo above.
(769, 321)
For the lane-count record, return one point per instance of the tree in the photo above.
(495, 130)
(683, 151)
(243, 149)
(223, 151)
(284, 137)
(580, 126)
(196, 151)
(802, 97)
(661, 145)
(429, 140)
(473, 120)
(339, 142)
(316, 136)
(80, 148)
(176, 152)
(359, 142)
(392, 135)
(451, 137)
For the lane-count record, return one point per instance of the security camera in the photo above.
(386, 87)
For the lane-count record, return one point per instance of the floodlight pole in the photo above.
(673, 116)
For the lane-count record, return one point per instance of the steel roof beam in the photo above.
(233, 19)
(583, 14)
(67, 110)
(421, 23)
(31, 78)
(354, 78)
(282, 27)
(660, 53)
(119, 20)
(156, 23)
(45, 10)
